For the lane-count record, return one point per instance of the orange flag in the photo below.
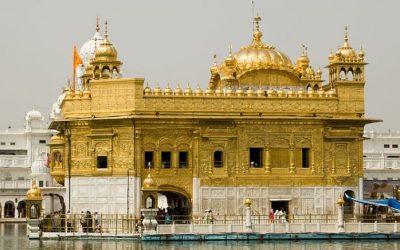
(77, 58)
(77, 61)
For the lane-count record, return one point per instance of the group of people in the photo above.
(208, 216)
(90, 223)
(277, 216)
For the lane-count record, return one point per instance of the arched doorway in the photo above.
(348, 207)
(21, 209)
(176, 203)
(54, 206)
(9, 209)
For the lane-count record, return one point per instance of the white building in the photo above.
(381, 163)
(22, 150)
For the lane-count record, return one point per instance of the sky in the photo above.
(174, 41)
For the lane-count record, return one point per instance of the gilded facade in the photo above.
(264, 128)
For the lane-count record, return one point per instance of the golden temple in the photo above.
(265, 128)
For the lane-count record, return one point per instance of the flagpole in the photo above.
(73, 72)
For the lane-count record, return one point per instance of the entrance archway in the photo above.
(348, 207)
(21, 209)
(176, 203)
(9, 209)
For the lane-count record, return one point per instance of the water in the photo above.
(13, 236)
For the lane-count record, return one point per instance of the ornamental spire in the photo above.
(257, 34)
(97, 24)
(346, 37)
(106, 30)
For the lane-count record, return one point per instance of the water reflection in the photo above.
(13, 236)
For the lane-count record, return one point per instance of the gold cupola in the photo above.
(104, 64)
(34, 193)
(252, 64)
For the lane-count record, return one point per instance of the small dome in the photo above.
(346, 52)
(157, 90)
(188, 90)
(34, 193)
(168, 90)
(149, 182)
(106, 51)
(34, 114)
(178, 90)
(147, 90)
(88, 48)
(198, 91)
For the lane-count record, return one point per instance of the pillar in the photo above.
(267, 160)
(248, 226)
(196, 197)
(340, 221)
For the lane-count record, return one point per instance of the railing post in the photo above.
(116, 224)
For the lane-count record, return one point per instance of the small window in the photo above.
(40, 183)
(375, 178)
(165, 159)
(386, 145)
(395, 145)
(183, 159)
(256, 157)
(148, 159)
(21, 178)
(218, 159)
(101, 161)
(42, 141)
(305, 157)
(393, 156)
(12, 143)
(390, 179)
(2, 143)
(8, 178)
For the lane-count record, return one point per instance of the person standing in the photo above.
(271, 215)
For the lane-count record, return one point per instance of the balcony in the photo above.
(14, 161)
(381, 163)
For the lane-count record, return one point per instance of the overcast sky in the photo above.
(174, 41)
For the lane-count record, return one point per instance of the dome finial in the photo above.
(346, 37)
(215, 59)
(97, 24)
(304, 51)
(257, 34)
(106, 30)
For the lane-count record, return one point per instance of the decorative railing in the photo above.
(128, 224)
(14, 161)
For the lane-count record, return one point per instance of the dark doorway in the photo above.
(178, 207)
(348, 208)
(278, 205)
(9, 209)
(21, 209)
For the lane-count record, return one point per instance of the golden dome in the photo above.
(105, 51)
(34, 193)
(57, 139)
(178, 90)
(346, 52)
(149, 182)
(219, 92)
(255, 56)
(229, 91)
(157, 90)
(147, 90)
(188, 90)
(168, 90)
(198, 91)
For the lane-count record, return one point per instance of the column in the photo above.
(196, 197)
(291, 153)
(340, 221)
(267, 160)
(312, 160)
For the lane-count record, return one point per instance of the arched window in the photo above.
(9, 209)
(350, 75)
(342, 74)
(105, 73)
(358, 74)
(218, 159)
